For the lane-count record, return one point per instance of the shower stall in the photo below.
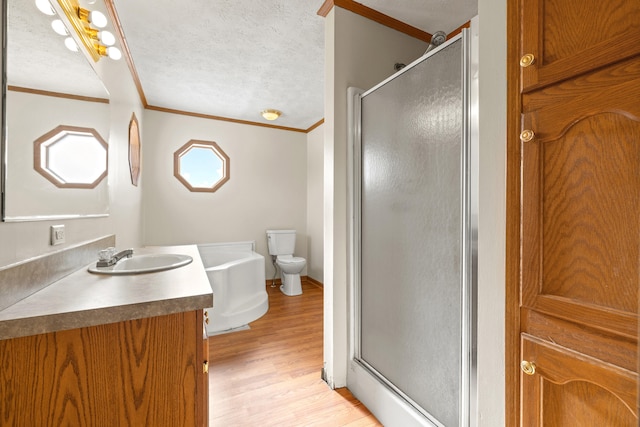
(414, 229)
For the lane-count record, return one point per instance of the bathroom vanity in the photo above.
(94, 349)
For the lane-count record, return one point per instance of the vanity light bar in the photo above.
(97, 42)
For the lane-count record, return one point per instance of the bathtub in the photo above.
(237, 276)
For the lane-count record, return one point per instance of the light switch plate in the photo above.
(57, 234)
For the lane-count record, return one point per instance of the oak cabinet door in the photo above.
(568, 37)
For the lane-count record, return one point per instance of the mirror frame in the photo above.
(3, 114)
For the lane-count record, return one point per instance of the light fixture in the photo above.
(88, 26)
(45, 7)
(270, 114)
(71, 44)
(58, 27)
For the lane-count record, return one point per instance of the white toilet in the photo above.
(281, 244)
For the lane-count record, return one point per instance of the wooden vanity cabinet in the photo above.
(144, 372)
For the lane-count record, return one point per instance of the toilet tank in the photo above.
(281, 242)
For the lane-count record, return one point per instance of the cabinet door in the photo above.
(581, 199)
(560, 380)
(142, 372)
(569, 37)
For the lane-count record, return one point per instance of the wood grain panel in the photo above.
(578, 90)
(606, 346)
(134, 373)
(591, 216)
(564, 31)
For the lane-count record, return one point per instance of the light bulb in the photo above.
(71, 44)
(98, 19)
(114, 53)
(45, 7)
(106, 38)
(58, 27)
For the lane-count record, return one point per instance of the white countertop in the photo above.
(85, 299)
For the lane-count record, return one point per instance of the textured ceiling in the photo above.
(229, 58)
(226, 58)
(427, 15)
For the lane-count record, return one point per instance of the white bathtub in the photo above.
(237, 276)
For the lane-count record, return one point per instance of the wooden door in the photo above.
(574, 213)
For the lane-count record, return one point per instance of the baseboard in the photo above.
(314, 281)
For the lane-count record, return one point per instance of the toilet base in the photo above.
(291, 285)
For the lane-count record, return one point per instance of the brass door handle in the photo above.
(527, 59)
(527, 135)
(527, 367)
(205, 367)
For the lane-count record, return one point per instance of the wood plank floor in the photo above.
(269, 375)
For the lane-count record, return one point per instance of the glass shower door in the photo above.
(413, 236)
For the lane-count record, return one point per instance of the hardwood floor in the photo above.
(269, 375)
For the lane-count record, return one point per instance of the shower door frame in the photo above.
(361, 377)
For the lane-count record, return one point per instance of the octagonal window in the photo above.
(201, 166)
(71, 157)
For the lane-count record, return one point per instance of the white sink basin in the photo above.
(147, 263)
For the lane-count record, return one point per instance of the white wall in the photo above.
(315, 170)
(267, 187)
(358, 52)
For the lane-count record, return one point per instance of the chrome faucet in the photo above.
(108, 257)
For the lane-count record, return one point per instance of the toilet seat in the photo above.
(288, 259)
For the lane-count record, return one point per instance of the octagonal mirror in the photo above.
(71, 157)
(201, 166)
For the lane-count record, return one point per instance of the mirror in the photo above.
(47, 86)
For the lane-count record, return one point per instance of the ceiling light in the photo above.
(94, 17)
(58, 27)
(103, 36)
(106, 38)
(271, 114)
(112, 52)
(45, 7)
(71, 44)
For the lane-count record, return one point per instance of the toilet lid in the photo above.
(290, 260)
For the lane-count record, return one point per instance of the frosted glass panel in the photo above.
(411, 232)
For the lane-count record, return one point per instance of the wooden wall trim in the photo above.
(224, 119)
(111, 9)
(315, 125)
(376, 16)
(57, 94)
(325, 8)
(459, 30)
(513, 193)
